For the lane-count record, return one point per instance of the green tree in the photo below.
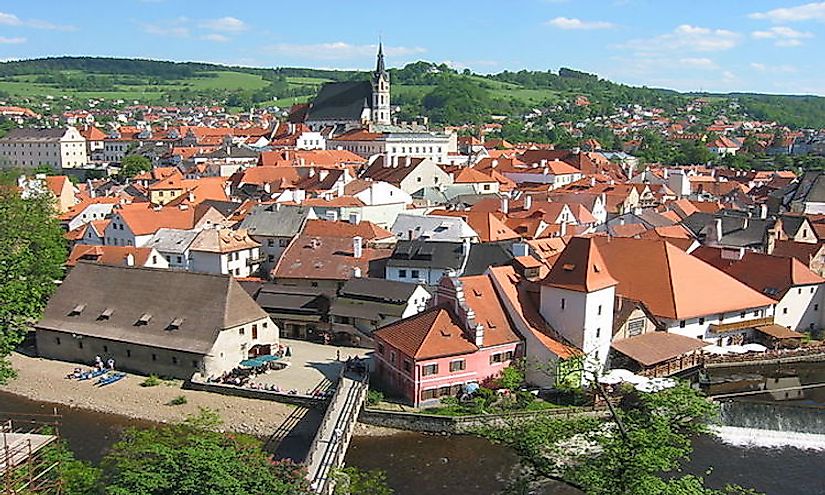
(132, 165)
(77, 477)
(512, 377)
(192, 459)
(32, 253)
(640, 458)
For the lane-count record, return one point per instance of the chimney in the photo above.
(745, 223)
(763, 211)
(519, 249)
(90, 187)
(130, 260)
(528, 202)
(733, 254)
(479, 335)
(357, 249)
(593, 182)
(505, 205)
(717, 231)
(494, 164)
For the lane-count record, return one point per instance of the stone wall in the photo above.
(294, 399)
(432, 423)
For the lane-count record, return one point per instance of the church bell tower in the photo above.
(381, 91)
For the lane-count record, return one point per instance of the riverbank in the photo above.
(44, 380)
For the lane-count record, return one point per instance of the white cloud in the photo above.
(686, 38)
(806, 12)
(175, 28)
(220, 38)
(758, 66)
(570, 23)
(783, 36)
(11, 41)
(339, 50)
(226, 24)
(7, 19)
(697, 63)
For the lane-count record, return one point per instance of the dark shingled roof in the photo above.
(377, 289)
(205, 303)
(652, 348)
(341, 101)
(483, 256)
(427, 254)
(46, 133)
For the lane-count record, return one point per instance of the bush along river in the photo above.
(434, 465)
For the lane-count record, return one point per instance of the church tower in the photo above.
(381, 91)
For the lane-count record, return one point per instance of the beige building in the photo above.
(150, 321)
(57, 147)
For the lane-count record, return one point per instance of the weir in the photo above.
(778, 416)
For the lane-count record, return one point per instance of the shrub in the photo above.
(151, 381)
(374, 397)
(178, 401)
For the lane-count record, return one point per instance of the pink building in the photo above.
(464, 338)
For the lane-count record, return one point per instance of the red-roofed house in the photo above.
(465, 338)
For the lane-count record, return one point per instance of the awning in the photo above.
(258, 361)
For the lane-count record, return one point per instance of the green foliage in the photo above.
(178, 401)
(132, 165)
(32, 253)
(512, 377)
(353, 481)
(455, 99)
(152, 381)
(77, 477)
(594, 455)
(188, 459)
(374, 397)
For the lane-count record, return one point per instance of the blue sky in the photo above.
(721, 45)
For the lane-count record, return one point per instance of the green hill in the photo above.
(420, 89)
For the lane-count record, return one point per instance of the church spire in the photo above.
(379, 68)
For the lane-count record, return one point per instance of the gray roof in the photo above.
(233, 152)
(483, 256)
(205, 304)
(175, 241)
(377, 289)
(432, 227)
(427, 254)
(276, 220)
(341, 101)
(46, 133)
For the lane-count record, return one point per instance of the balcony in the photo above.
(257, 260)
(739, 325)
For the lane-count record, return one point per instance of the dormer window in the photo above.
(568, 267)
(175, 324)
(144, 319)
(106, 314)
(77, 310)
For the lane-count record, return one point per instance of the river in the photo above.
(434, 465)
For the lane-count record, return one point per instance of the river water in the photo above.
(434, 465)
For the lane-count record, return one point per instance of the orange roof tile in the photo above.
(428, 335)
(580, 268)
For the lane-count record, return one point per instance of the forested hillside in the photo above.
(439, 92)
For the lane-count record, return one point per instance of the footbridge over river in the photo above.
(327, 451)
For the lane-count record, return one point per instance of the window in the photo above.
(174, 360)
(154, 357)
(381, 349)
(800, 290)
(407, 366)
(270, 242)
(816, 307)
(812, 290)
(428, 394)
(80, 344)
(414, 274)
(264, 324)
(598, 332)
(635, 326)
(562, 303)
(742, 314)
(283, 242)
(430, 369)
(402, 273)
(702, 321)
(254, 331)
(195, 364)
(392, 357)
(241, 331)
(180, 259)
(457, 365)
(682, 324)
(57, 340)
(784, 311)
(599, 310)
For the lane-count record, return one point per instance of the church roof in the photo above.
(341, 101)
